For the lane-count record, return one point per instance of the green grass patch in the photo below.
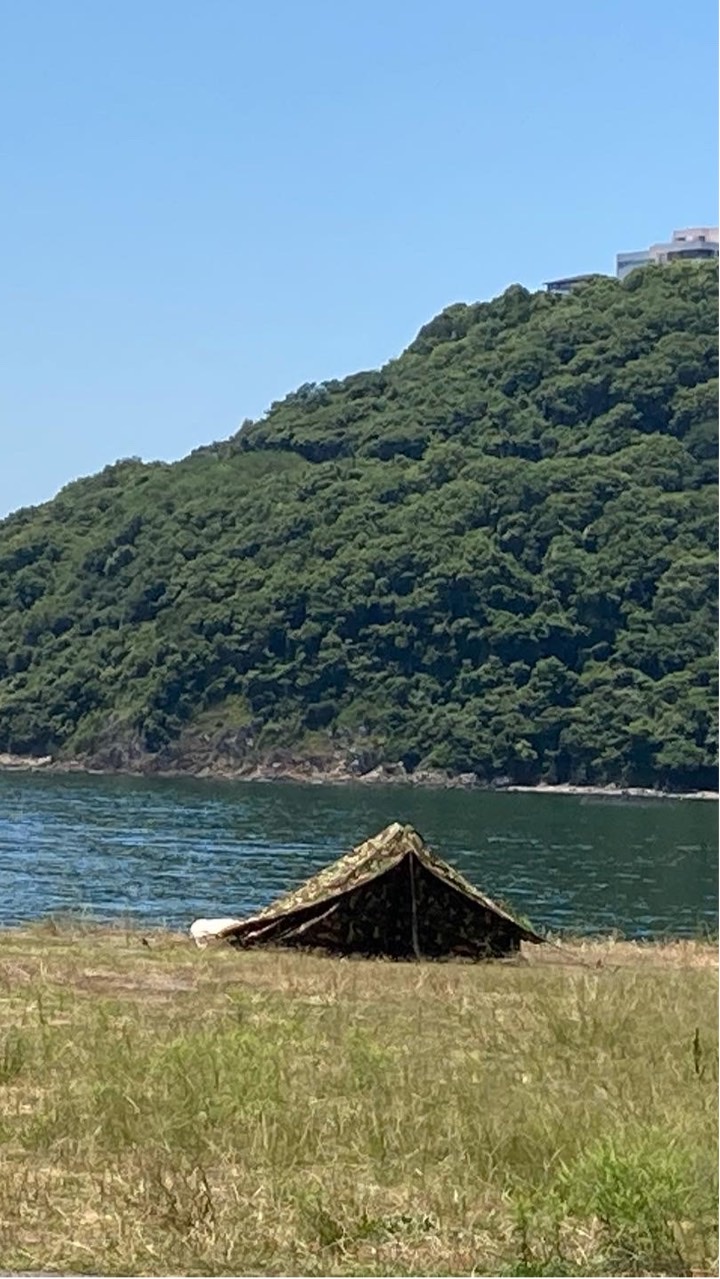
(232, 712)
(166, 1110)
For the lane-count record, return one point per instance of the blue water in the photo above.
(165, 852)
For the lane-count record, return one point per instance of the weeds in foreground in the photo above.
(169, 1111)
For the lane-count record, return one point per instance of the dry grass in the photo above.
(166, 1110)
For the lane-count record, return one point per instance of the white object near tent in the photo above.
(206, 930)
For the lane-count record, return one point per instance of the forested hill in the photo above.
(496, 555)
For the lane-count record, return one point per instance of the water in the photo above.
(165, 852)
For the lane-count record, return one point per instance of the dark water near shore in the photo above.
(164, 852)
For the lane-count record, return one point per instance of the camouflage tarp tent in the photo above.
(390, 896)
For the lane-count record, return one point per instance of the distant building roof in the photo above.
(569, 282)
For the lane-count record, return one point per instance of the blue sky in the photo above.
(208, 202)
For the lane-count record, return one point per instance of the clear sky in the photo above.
(208, 202)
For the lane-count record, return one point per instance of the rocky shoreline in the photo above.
(335, 773)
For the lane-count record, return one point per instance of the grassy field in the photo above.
(165, 1110)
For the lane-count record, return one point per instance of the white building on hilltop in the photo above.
(691, 242)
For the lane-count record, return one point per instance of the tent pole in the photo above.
(413, 908)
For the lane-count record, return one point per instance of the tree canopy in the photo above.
(494, 555)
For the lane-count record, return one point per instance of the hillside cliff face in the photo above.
(496, 555)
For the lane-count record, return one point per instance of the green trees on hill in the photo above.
(494, 555)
